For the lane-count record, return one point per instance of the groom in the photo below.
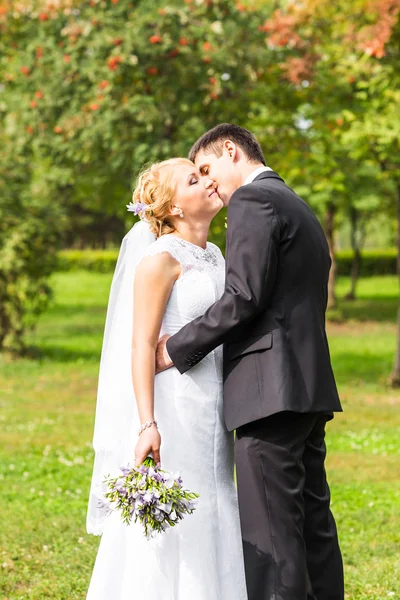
(279, 389)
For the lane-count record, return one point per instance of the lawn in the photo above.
(47, 411)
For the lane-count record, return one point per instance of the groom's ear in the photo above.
(230, 149)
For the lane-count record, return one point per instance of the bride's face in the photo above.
(196, 196)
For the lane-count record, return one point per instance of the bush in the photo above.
(101, 261)
(374, 262)
(29, 239)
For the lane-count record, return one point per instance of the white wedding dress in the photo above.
(201, 558)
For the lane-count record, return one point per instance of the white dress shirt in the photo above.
(250, 178)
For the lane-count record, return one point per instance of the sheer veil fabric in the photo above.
(116, 414)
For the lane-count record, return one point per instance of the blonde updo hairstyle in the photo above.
(156, 187)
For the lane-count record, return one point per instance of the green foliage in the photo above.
(108, 86)
(99, 261)
(374, 262)
(29, 239)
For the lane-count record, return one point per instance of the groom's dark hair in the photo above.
(211, 142)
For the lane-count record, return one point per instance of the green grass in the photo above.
(47, 407)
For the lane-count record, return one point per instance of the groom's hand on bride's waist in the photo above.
(163, 360)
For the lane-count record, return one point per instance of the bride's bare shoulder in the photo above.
(160, 266)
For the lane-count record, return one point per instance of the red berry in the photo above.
(183, 41)
(117, 41)
(39, 94)
(29, 129)
(67, 58)
(57, 129)
(113, 62)
(25, 70)
(174, 53)
(103, 84)
(152, 70)
(43, 17)
(39, 52)
(94, 106)
(155, 39)
(213, 80)
(206, 46)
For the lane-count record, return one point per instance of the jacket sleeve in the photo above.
(252, 251)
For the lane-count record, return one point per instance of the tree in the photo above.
(344, 56)
(93, 90)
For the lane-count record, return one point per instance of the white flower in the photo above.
(216, 27)
(225, 77)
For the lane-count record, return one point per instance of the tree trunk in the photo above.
(395, 376)
(356, 245)
(329, 230)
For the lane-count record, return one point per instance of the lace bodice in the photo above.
(201, 282)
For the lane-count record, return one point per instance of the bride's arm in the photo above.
(154, 279)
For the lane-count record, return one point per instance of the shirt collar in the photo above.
(250, 178)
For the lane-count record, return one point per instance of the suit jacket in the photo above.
(271, 316)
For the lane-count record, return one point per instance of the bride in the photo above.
(167, 274)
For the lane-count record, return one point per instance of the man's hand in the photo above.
(163, 360)
(149, 442)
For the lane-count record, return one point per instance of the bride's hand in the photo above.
(149, 441)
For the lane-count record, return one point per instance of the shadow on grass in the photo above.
(61, 354)
(356, 367)
(70, 310)
(370, 309)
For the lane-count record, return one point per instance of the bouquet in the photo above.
(151, 496)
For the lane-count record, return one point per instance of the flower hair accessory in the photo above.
(138, 208)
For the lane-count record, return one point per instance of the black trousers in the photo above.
(290, 543)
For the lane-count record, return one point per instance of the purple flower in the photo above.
(125, 470)
(136, 208)
(150, 496)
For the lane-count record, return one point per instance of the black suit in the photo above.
(279, 388)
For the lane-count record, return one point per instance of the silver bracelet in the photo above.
(146, 425)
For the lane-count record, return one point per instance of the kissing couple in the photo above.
(195, 348)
